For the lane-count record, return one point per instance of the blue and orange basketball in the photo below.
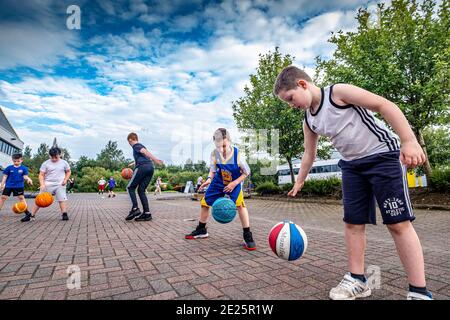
(223, 210)
(288, 240)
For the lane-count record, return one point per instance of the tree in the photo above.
(84, 162)
(200, 166)
(260, 109)
(27, 155)
(189, 165)
(111, 157)
(404, 58)
(40, 156)
(438, 145)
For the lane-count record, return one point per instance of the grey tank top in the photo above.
(353, 130)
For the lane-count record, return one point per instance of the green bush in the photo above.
(267, 188)
(323, 187)
(440, 179)
(287, 187)
(183, 177)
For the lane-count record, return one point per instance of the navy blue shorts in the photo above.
(381, 178)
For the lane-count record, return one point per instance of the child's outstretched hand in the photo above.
(230, 187)
(297, 187)
(411, 154)
(204, 185)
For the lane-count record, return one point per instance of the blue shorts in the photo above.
(215, 191)
(381, 178)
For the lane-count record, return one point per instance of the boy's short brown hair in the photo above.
(287, 79)
(133, 136)
(17, 156)
(221, 134)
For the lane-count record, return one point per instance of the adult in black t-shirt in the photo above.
(143, 173)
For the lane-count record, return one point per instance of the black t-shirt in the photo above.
(139, 158)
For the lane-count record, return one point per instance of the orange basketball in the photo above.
(127, 173)
(44, 199)
(19, 207)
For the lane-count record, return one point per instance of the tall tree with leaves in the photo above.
(111, 157)
(438, 145)
(405, 57)
(260, 109)
(27, 155)
(40, 156)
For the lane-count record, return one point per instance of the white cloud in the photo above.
(34, 46)
(182, 92)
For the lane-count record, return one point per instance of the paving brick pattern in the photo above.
(152, 260)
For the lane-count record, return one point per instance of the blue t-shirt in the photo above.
(15, 176)
(112, 183)
(139, 158)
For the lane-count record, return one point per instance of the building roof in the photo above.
(5, 124)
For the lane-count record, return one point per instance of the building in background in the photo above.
(9, 142)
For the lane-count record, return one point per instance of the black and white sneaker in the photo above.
(249, 243)
(28, 217)
(65, 217)
(198, 233)
(144, 217)
(133, 214)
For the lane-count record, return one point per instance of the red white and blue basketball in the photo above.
(223, 210)
(288, 240)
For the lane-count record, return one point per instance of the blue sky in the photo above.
(167, 70)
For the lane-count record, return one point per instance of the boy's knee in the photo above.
(399, 228)
(355, 227)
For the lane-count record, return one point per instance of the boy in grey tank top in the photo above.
(373, 164)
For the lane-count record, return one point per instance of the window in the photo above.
(7, 148)
(284, 172)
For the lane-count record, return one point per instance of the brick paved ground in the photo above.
(152, 260)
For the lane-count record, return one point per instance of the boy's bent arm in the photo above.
(149, 155)
(41, 179)
(3, 180)
(68, 173)
(411, 153)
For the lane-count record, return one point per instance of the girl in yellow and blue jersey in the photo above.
(227, 171)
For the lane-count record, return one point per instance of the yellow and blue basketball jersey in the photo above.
(227, 170)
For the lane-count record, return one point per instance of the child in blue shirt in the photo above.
(111, 186)
(227, 171)
(13, 180)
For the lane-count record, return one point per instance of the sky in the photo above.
(167, 70)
